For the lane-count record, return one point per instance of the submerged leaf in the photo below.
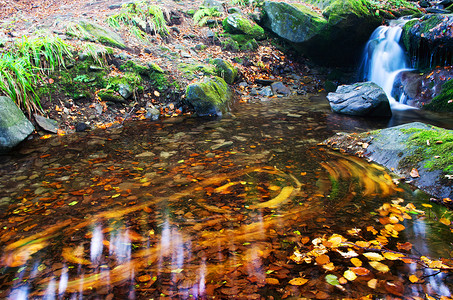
(350, 275)
(298, 281)
(373, 256)
(332, 279)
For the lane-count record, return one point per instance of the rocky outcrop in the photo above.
(209, 97)
(334, 36)
(14, 126)
(429, 40)
(360, 99)
(415, 151)
(94, 32)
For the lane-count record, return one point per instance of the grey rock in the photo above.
(279, 88)
(222, 145)
(266, 91)
(46, 123)
(360, 99)
(213, 4)
(209, 97)
(14, 126)
(125, 91)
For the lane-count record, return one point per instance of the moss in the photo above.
(236, 23)
(92, 31)
(230, 45)
(193, 70)
(128, 78)
(110, 96)
(436, 156)
(225, 70)
(209, 97)
(441, 101)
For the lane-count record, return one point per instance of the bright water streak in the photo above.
(384, 59)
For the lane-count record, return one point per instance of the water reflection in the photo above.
(199, 209)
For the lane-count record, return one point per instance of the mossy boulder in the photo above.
(95, 32)
(444, 101)
(429, 40)
(14, 126)
(334, 34)
(209, 97)
(111, 96)
(226, 70)
(403, 148)
(239, 24)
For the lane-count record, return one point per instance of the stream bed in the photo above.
(249, 206)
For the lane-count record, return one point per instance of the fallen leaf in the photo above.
(350, 275)
(372, 283)
(273, 281)
(356, 262)
(413, 278)
(298, 281)
(393, 256)
(332, 279)
(360, 271)
(373, 256)
(322, 259)
(379, 266)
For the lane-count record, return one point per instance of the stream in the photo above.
(249, 206)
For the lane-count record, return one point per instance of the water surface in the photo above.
(248, 206)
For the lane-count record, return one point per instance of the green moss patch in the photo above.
(444, 101)
(433, 147)
(94, 32)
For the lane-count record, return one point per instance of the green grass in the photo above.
(23, 64)
(140, 12)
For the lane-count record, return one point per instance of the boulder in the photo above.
(239, 24)
(334, 34)
(226, 70)
(405, 148)
(209, 97)
(360, 99)
(429, 40)
(14, 126)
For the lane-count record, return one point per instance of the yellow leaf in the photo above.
(427, 205)
(298, 281)
(413, 278)
(379, 266)
(363, 244)
(372, 283)
(356, 262)
(393, 256)
(335, 240)
(429, 297)
(445, 221)
(349, 275)
(272, 281)
(329, 267)
(373, 256)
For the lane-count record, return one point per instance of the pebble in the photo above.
(222, 145)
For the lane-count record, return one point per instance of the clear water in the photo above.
(197, 209)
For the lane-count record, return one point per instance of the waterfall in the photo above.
(384, 58)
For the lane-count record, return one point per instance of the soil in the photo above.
(267, 64)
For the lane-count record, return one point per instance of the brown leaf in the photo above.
(322, 259)
(360, 271)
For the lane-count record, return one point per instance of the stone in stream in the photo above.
(209, 97)
(46, 123)
(14, 126)
(279, 88)
(360, 99)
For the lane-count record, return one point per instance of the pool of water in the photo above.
(249, 206)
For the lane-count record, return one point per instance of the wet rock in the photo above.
(225, 144)
(152, 113)
(213, 4)
(14, 126)
(390, 147)
(429, 40)
(210, 96)
(146, 154)
(266, 91)
(279, 88)
(334, 36)
(46, 123)
(360, 99)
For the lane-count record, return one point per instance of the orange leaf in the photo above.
(298, 281)
(414, 173)
(360, 271)
(413, 278)
(445, 221)
(323, 259)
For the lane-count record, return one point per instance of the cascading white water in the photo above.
(384, 58)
